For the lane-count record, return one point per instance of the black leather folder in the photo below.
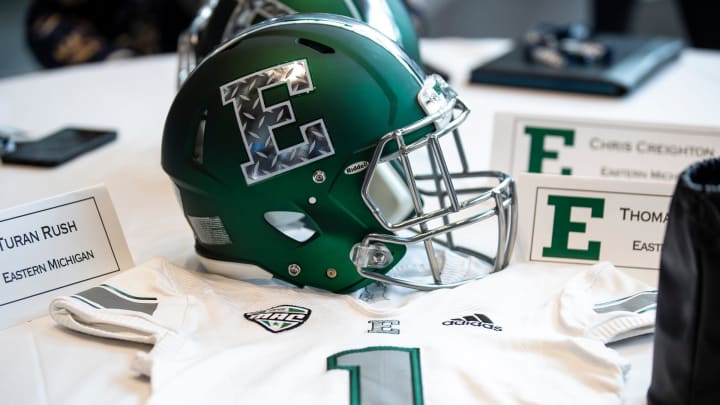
(634, 60)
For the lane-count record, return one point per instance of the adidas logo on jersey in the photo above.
(478, 320)
(279, 318)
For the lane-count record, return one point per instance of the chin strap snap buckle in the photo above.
(374, 256)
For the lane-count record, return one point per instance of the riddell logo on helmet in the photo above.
(357, 167)
(477, 320)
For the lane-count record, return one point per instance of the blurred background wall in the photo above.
(16, 57)
(510, 18)
(471, 18)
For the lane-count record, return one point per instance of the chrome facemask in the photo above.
(447, 205)
(188, 41)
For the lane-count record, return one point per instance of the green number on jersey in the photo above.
(381, 375)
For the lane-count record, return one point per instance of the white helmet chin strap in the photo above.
(456, 267)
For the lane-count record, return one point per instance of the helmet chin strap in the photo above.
(456, 267)
(415, 268)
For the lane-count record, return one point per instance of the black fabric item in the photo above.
(686, 358)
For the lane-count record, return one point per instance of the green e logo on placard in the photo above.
(562, 226)
(537, 147)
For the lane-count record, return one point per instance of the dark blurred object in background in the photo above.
(686, 357)
(692, 20)
(699, 17)
(612, 15)
(63, 32)
(562, 45)
(67, 32)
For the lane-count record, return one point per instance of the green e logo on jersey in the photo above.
(562, 226)
(538, 153)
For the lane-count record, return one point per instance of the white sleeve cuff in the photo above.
(605, 304)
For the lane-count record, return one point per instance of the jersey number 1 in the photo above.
(381, 375)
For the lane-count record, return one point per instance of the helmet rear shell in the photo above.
(387, 16)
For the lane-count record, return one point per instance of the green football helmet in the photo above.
(313, 147)
(220, 20)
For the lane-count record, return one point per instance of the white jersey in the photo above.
(528, 334)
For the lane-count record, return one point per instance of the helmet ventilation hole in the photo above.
(295, 225)
(315, 45)
(199, 150)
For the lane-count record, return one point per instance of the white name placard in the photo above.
(56, 246)
(583, 220)
(607, 149)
